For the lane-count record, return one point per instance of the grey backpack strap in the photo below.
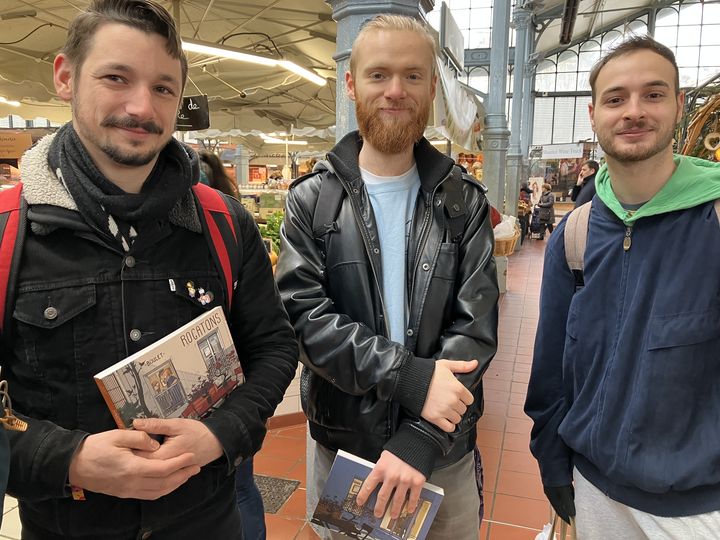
(575, 237)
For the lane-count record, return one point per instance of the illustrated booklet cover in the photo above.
(338, 511)
(182, 375)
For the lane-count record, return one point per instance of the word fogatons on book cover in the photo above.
(182, 375)
(338, 511)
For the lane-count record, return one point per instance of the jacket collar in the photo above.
(433, 166)
(41, 186)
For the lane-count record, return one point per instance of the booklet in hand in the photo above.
(338, 511)
(182, 375)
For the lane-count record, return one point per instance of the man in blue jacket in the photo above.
(623, 390)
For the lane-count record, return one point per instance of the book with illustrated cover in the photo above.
(338, 511)
(182, 375)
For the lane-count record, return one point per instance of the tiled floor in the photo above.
(515, 508)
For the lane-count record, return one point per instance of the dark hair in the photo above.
(218, 177)
(594, 165)
(144, 15)
(634, 44)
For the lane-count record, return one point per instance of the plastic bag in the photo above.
(545, 533)
(506, 228)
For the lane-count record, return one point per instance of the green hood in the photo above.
(695, 181)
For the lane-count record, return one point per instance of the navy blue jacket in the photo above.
(624, 383)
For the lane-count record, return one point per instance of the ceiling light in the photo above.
(274, 140)
(236, 54)
(9, 102)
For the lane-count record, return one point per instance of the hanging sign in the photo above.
(194, 113)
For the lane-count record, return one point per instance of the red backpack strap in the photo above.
(220, 229)
(11, 217)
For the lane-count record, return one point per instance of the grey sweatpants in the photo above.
(458, 515)
(601, 518)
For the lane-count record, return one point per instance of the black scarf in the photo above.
(105, 206)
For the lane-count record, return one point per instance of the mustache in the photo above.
(130, 123)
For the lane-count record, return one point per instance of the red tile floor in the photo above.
(515, 507)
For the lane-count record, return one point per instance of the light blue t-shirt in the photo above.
(393, 202)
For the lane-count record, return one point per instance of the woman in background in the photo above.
(214, 170)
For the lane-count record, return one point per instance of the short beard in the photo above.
(394, 135)
(637, 154)
(127, 159)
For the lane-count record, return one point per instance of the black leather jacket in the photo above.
(100, 296)
(362, 392)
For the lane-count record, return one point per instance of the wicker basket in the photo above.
(506, 247)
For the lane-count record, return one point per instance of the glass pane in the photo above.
(588, 59)
(687, 56)
(711, 14)
(583, 82)
(613, 37)
(479, 80)
(480, 18)
(567, 61)
(706, 72)
(590, 45)
(691, 14)
(566, 82)
(545, 82)
(564, 120)
(457, 4)
(710, 34)
(667, 35)
(479, 39)
(543, 121)
(667, 17)
(689, 35)
(583, 129)
(709, 56)
(688, 77)
(462, 17)
(637, 27)
(546, 66)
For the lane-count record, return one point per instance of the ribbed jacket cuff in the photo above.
(413, 383)
(414, 448)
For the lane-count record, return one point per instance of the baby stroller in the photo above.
(537, 227)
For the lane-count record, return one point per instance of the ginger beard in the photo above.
(391, 134)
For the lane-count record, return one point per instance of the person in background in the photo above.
(113, 234)
(249, 499)
(393, 351)
(584, 189)
(547, 207)
(623, 390)
(216, 174)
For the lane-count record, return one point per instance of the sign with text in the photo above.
(558, 151)
(194, 113)
(14, 143)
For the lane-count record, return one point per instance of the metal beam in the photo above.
(481, 57)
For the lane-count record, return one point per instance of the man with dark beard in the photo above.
(623, 389)
(396, 310)
(113, 251)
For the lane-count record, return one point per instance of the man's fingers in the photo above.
(154, 489)
(383, 498)
(466, 397)
(461, 366)
(414, 499)
(164, 468)
(366, 489)
(158, 426)
(445, 425)
(136, 440)
(398, 500)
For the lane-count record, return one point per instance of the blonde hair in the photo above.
(397, 23)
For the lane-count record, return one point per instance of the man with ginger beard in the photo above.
(388, 277)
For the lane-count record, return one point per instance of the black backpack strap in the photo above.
(327, 208)
(13, 219)
(455, 206)
(220, 226)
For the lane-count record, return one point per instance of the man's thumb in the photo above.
(462, 366)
